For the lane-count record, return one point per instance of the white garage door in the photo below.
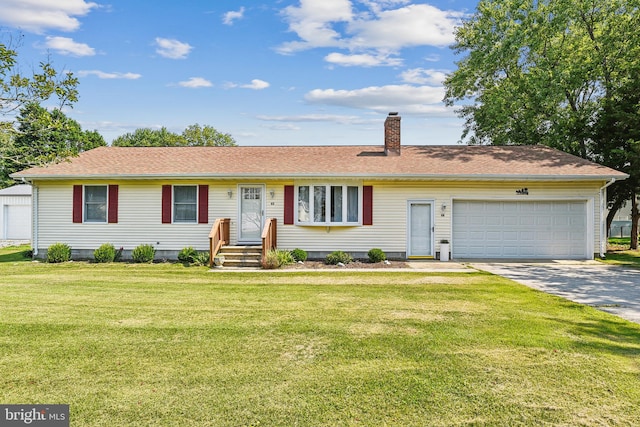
(17, 222)
(518, 229)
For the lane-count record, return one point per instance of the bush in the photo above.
(376, 255)
(276, 258)
(105, 253)
(299, 255)
(58, 252)
(118, 256)
(187, 255)
(201, 258)
(338, 257)
(143, 253)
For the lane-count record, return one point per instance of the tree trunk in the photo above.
(612, 214)
(635, 215)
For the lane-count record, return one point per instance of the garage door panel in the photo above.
(520, 229)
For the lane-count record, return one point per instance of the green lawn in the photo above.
(169, 345)
(620, 254)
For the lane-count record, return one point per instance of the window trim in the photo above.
(196, 204)
(84, 204)
(327, 207)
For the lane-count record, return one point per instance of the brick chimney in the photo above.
(392, 135)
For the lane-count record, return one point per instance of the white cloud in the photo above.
(312, 22)
(231, 16)
(38, 16)
(333, 118)
(196, 82)
(66, 46)
(172, 49)
(104, 75)
(384, 28)
(256, 84)
(413, 25)
(423, 100)
(422, 76)
(362, 60)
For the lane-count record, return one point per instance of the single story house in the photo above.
(516, 202)
(15, 213)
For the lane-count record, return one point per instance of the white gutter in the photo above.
(391, 177)
(603, 217)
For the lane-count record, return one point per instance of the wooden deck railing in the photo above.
(218, 237)
(269, 237)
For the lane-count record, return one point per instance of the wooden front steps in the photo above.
(241, 256)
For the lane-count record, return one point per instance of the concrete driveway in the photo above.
(610, 288)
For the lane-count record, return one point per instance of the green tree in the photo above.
(553, 73)
(193, 136)
(19, 91)
(207, 136)
(146, 137)
(42, 137)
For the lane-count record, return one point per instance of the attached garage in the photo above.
(509, 229)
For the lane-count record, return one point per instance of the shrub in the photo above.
(201, 258)
(105, 253)
(58, 252)
(299, 255)
(276, 258)
(271, 260)
(376, 255)
(143, 253)
(118, 255)
(285, 257)
(338, 257)
(187, 255)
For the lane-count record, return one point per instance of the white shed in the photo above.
(15, 213)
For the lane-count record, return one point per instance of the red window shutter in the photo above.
(203, 204)
(77, 203)
(367, 205)
(166, 204)
(112, 211)
(288, 204)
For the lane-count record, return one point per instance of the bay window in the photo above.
(328, 204)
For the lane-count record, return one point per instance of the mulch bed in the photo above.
(320, 265)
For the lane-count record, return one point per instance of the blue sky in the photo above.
(304, 72)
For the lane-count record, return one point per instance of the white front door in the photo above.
(251, 213)
(420, 233)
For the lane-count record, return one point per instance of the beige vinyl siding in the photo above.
(139, 217)
(140, 213)
(390, 204)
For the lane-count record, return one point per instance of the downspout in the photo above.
(34, 216)
(603, 218)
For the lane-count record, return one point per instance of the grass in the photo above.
(167, 345)
(620, 254)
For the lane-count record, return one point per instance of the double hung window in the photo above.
(95, 203)
(185, 203)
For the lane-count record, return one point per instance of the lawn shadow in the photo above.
(19, 254)
(618, 337)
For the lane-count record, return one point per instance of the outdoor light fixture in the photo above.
(272, 193)
(229, 193)
(443, 209)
